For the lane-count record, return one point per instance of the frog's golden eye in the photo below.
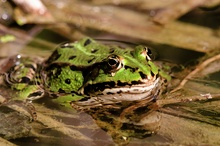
(114, 63)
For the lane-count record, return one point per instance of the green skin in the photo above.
(73, 67)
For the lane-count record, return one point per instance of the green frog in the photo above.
(116, 85)
(87, 74)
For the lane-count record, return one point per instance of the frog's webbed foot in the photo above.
(23, 107)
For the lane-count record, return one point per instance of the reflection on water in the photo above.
(137, 119)
(131, 120)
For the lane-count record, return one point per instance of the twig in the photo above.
(198, 69)
(201, 97)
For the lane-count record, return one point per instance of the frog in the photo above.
(86, 74)
(110, 82)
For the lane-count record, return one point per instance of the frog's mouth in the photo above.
(124, 92)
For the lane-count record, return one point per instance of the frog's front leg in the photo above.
(27, 95)
(22, 101)
(30, 93)
(22, 75)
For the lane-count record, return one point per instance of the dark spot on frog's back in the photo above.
(67, 81)
(61, 90)
(131, 69)
(72, 57)
(87, 42)
(94, 50)
(53, 57)
(89, 61)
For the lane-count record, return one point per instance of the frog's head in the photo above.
(127, 72)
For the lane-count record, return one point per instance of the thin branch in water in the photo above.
(198, 69)
(201, 97)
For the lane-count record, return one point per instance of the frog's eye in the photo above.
(114, 63)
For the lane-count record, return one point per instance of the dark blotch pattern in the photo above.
(58, 72)
(25, 80)
(89, 61)
(87, 42)
(143, 76)
(94, 50)
(132, 69)
(157, 75)
(135, 82)
(61, 90)
(84, 99)
(53, 57)
(38, 83)
(72, 57)
(152, 74)
(121, 84)
(38, 93)
(67, 81)
(98, 87)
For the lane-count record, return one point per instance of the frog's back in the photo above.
(81, 53)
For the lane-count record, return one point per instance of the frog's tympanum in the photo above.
(121, 84)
